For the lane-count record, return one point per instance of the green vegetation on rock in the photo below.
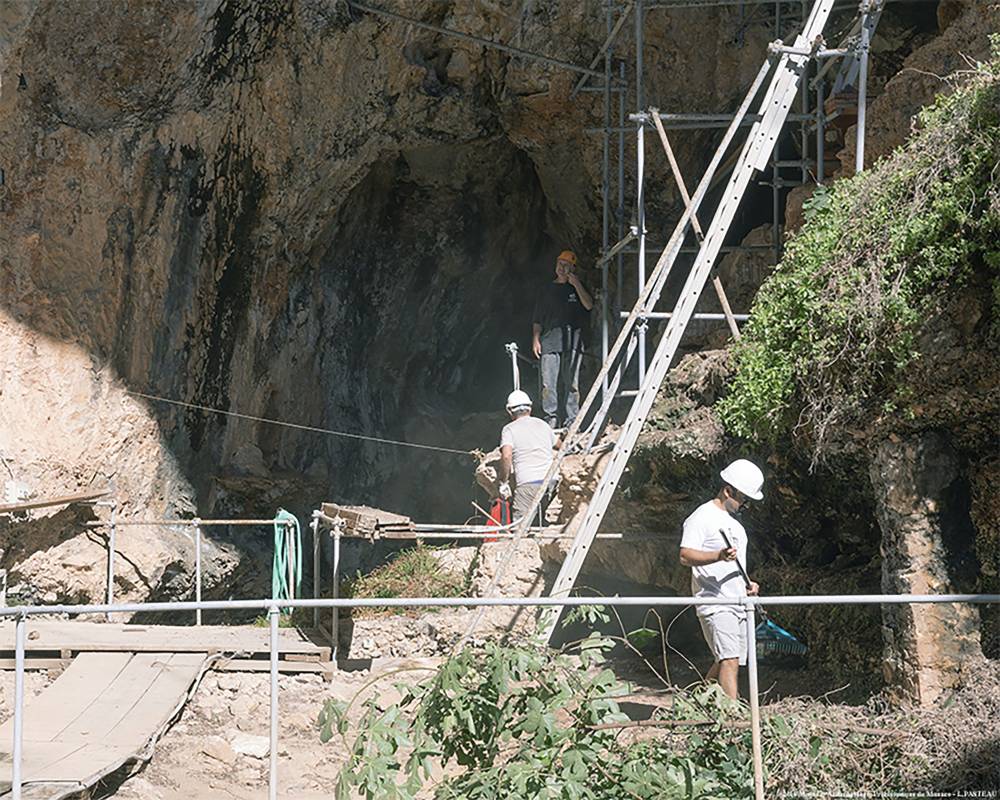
(411, 573)
(832, 331)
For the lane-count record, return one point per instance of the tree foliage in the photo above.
(526, 722)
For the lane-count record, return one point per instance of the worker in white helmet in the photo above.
(526, 444)
(714, 570)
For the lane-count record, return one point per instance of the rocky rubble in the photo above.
(519, 571)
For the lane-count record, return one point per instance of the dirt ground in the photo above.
(218, 748)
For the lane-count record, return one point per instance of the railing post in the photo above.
(197, 568)
(335, 612)
(317, 555)
(820, 135)
(112, 545)
(292, 555)
(17, 755)
(758, 761)
(272, 618)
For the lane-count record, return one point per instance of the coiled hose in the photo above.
(286, 569)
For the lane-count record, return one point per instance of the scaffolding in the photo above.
(807, 166)
(624, 231)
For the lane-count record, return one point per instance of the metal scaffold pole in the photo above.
(863, 50)
(605, 192)
(640, 165)
(620, 205)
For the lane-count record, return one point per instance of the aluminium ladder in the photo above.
(774, 109)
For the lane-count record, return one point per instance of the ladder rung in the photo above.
(668, 315)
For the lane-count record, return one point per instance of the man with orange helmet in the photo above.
(559, 327)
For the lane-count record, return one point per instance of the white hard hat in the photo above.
(518, 399)
(745, 477)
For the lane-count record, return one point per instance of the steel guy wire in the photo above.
(297, 426)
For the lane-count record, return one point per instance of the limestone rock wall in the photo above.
(295, 210)
(925, 537)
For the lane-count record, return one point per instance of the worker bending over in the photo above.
(714, 570)
(526, 444)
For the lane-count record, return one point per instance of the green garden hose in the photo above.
(286, 569)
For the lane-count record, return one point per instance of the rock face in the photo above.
(965, 28)
(69, 423)
(985, 513)
(925, 537)
(296, 211)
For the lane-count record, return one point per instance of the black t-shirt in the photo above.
(563, 318)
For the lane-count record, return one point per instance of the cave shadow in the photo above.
(99, 537)
(478, 296)
(21, 537)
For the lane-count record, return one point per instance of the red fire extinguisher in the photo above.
(498, 518)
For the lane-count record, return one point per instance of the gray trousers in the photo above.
(561, 387)
(524, 496)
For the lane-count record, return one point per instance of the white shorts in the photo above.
(725, 631)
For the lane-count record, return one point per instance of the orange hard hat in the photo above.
(567, 255)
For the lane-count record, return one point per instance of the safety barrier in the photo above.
(21, 614)
(114, 523)
(478, 533)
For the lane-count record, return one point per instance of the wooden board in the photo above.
(56, 636)
(324, 669)
(79, 497)
(36, 663)
(365, 520)
(101, 713)
(69, 696)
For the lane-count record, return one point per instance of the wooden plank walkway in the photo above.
(68, 637)
(99, 715)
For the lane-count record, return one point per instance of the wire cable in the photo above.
(295, 425)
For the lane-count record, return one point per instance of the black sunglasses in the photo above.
(738, 496)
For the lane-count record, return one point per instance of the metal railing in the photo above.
(113, 524)
(335, 530)
(750, 604)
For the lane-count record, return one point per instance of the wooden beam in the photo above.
(66, 499)
(679, 178)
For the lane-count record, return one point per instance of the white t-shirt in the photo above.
(721, 579)
(532, 441)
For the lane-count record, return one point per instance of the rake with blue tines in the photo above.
(772, 639)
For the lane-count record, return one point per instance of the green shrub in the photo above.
(521, 722)
(833, 330)
(526, 723)
(411, 573)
